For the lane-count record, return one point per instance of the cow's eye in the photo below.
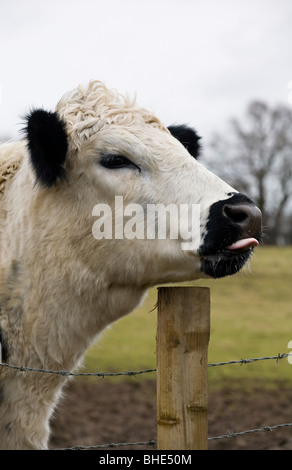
(117, 161)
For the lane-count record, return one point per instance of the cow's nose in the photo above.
(246, 215)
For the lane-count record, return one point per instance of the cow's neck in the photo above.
(53, 334)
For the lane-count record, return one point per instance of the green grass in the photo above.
(251, 316)
(129, 343)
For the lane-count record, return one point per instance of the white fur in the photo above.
(59, 286)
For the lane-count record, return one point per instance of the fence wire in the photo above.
(67, 373)
(249, 361)
(111, 445)
(234, 435)
(152, 443)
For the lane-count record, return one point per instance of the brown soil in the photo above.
(101, 412)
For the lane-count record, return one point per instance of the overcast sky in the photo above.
(193, 61)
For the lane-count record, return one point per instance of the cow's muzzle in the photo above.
(233, 229)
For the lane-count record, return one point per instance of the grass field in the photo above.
(251, 316)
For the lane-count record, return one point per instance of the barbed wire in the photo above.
(153, 443)
(66, 373)
(150, 443)
(249, 361)
(234, 435)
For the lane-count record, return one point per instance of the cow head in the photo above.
(99, 149)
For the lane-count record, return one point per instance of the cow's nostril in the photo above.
(245, 215)
(237, 213)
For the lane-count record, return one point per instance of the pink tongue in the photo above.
(245, 243)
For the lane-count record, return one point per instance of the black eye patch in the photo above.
(114, 162)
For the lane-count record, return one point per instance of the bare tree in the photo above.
(256, 158)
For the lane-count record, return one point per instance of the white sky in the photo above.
(193, 61)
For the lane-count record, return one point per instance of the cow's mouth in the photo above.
(229, 260)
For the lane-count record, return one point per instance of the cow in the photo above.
(63, 277)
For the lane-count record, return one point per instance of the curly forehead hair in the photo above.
(87, 109)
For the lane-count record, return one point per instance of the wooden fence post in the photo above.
(183, 332)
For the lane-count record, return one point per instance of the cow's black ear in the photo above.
(47, 144)
(188, 137)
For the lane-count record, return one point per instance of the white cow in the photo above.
(63, 277)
